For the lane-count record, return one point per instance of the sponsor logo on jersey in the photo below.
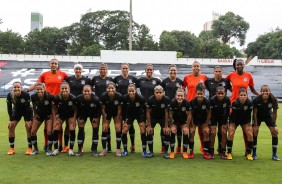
(269, 105)
(154, 82)
(223, 84)
(245, 79)
(183, 108)
(137, 104)
(60, 77)
(130, 81)
(22, 100)
(177, 85)
(92, 105)
(70, 103)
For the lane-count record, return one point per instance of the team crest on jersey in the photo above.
(245, 79)
(137, 104)
(245, 108)
(83, 82)
(154, 82)
(60, 77)
(201, 81)
(92, 105)
(22, 100)
(223, 84)
(107, 82)
(116, 102)
(177, 85)
(162, 105)
(183, 108)
(224, 105)
(204, 107)
(70, 103)
(130, 81)
(269, 105)
(46, 102)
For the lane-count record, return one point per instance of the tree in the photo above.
(267, 46)
(93, 50)
(144, 40)
(230, 26)
(11, 42)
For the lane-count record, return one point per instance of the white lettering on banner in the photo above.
(23, 72)
(266, 61)
(225, 60)
(10, 84)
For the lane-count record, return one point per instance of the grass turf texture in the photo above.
(20, 168)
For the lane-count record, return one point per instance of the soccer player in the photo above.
(170, 85)
(52, 80)
(220, 108)
(64, 110)
(76, 83)
(180, 119)
(88, 106)
(133, 109)
(99, 84)
(201, 115)
(190, 82)
(158, 112)
(240, 79)
(18, 106)
(122, 81)
(241, 115)
(265, 109)
(42, 107)
(111, 109)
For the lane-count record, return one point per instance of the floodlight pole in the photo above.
(130, 26)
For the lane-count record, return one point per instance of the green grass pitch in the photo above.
(20, 168)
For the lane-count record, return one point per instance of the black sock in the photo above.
(229, 146)
(34, 141)
(66, 139)
(29, 144)
(12, 142)
(95, 139)
(206, 146)
(212, 150)
(250, 147)
(185, 143)
(50, 142)
(179, 137)
(172, 142)
(55, 138)
(219, 138)
(166, 142)
(191, 146)
(109, 137)
(72, 138)
(150, 142)
(132, 135)
(80, 138)
(255, 144)
(104, 140)
(144, 141)
(124, 141)
(118, 140)
(162, 137)
(274, 144)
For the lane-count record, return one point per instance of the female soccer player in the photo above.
(52, 80)
(111, 109)
(88, 105)
(64, 109)
(201, 115)
(180, 119)
(240, 79)
(42, 107)
(170, 85)
(241, 115)
(76, 83)
(189, 84)
(122, 81)
(18, 106)
(220, 107)
(158, 112)
(133, 109)
(100, 83)
(265, 109)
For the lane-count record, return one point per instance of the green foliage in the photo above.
(230, 25)
(93, 50)
(267, 46)
(144, 40)
(10, 42)
(179, 55)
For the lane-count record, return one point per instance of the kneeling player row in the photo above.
(179, 113)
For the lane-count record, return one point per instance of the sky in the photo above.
(159, 15)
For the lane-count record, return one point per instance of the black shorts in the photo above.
(64, 117)
(198, 123)
(138, 118)
(239, 123)
(43, 118)
(17, 115)
(268, 121)
(110, 116)
(179, 122)
(154, 121)
(219, 122)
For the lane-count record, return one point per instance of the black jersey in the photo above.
(158, 107)
(241, 113)
(220, 109)
(200, 110)
(133, 108)
(20, 103)
(100, 84)
(211, 85)
(66, 108)
(180, 110)
(111, 105)
(76, 85)
(170, 87)
(88, 108)
(43, 108)
(147, 86)
(122, 83)
(264, 109)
